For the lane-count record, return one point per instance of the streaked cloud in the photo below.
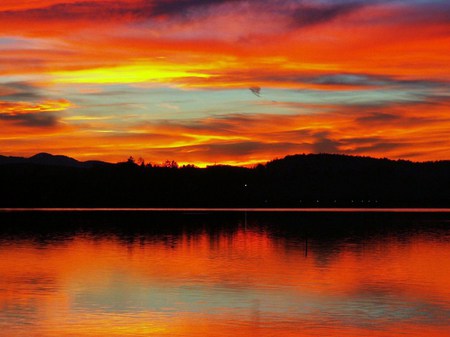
(170, 79)
(312, 13)
(41, 114)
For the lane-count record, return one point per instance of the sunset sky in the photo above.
(225, 81)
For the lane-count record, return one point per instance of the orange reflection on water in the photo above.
(243, 283)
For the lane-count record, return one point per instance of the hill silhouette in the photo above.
(313, 180)
(48, 159)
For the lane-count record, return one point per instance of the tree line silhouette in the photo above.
(312, 180)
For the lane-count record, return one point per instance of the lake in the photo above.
(224, 274)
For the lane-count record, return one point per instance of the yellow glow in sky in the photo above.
(136, 73)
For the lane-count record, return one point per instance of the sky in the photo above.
(225, 81)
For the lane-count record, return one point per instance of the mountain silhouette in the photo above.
(307, 180)
(48, 159)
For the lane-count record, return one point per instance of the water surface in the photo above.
(222, 276)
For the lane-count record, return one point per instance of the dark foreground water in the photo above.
(234, 274)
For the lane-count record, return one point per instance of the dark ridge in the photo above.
(314, 180)
(48, 159)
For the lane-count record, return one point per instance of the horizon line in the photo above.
(246, 165)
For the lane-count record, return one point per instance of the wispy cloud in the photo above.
(313, 13)
(33, 114)
(170, 79)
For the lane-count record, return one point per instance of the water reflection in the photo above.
(221, 276)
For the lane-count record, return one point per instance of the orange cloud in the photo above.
(32, 114)
(394, 131)
(387, 52)
(349, 44)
